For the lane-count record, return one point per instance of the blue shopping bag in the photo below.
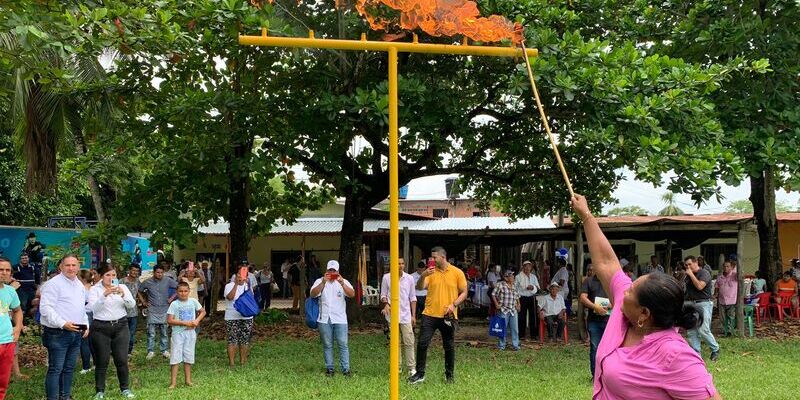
(497, 326)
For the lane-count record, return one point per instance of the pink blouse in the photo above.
(662, 366)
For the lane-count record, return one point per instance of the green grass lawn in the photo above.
(286, 368)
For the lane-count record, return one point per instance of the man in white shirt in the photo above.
(421, 294)
(65, 323)
(553, 312)
(527, 285)
(331, 290)
(562, 279)
(408, 312)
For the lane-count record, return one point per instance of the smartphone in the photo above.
(115, 282)
(333, 275)
(81, 327)
(431, 263)
(243, 272)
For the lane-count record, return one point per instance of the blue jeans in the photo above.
(704, 330)
(87, 352)
(596, 329)
(512, 328)
(151, 337)
(329, 332)
(132, 322)
(62, 355)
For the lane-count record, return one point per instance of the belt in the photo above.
(119, 321)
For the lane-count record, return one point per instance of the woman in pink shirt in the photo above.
(642, 355)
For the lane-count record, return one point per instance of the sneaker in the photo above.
(449, 379)
(150, 355)
(347, 373)
(715, 355)
(165, 354)
(329, 372)
(412, 372)
(86, 371)
(99, 395)
(416, 378)
(128, 394)
(516, 348)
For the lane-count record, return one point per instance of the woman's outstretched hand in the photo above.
(581, 207)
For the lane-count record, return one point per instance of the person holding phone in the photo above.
(110, 302)
(332, 289)
(239, 327)
(447, 289)
(65, 323)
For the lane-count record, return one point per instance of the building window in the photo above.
(441, 213)
(480, 213)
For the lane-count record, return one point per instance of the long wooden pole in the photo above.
(545, 123)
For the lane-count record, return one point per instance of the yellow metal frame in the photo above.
(393, 48)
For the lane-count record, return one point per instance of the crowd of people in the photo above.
(632, 322)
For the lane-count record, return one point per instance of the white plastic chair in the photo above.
(371, 295)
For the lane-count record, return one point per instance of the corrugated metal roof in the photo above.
(682, 219)
(334, 225)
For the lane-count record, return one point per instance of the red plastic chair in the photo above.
(784, 303)
(543, 326)
(763, 307)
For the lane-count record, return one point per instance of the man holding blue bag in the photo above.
(506, 300)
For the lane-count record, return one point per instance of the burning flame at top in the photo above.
(441, 18)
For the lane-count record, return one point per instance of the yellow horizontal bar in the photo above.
(371, 45)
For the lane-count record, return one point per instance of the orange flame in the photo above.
(440, 18)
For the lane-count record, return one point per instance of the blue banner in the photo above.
(42, 245)
(139, 249)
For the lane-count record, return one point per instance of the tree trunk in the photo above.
(762, 195)
(94, 188)
(350, 248)
(39, 147)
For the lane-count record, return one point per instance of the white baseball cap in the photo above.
(333, 264)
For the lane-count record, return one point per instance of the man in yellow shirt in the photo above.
(447, 289)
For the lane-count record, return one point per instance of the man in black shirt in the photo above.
(30, 277)
(698, 291)
(598, 311)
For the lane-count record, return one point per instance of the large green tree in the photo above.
(759, 108)
(611, 106)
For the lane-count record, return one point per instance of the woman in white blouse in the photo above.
(109, 302)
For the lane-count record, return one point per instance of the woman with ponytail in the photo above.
(642, 355)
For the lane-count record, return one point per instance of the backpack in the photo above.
(312, 312)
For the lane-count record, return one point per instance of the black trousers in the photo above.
(555, 326)
(528, 315)
(429, 326)
(265, 289)
(110, 339)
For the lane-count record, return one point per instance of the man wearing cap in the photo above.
(30, 277)
(553, 312)
(332, 289)
(507, 302)
(408, 312)
(157, 289)
(447, 289)
(526, 285)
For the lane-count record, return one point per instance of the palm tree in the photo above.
(49, 117)
(671, 209)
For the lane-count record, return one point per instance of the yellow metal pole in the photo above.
(370, 45)
(394, 234)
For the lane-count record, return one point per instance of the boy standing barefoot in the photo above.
(184, 315)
